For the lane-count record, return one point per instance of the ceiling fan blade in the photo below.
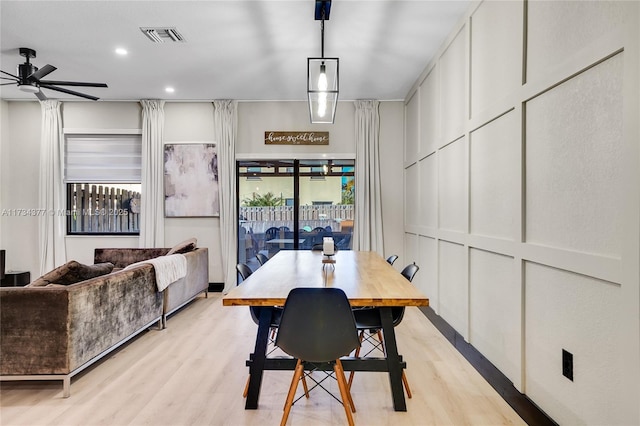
(6, 84)
(71, 92)
(8, 78)
(4, 72)
(73, 83)
(41, 95)
(47, 69)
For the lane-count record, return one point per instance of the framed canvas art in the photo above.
(191, 180)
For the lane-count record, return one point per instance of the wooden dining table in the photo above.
(365, 277)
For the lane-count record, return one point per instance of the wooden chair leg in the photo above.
(292, 391)
(246, 388)
(406, 384)
(352, 373)
(344, 391)
(304, 384)
(353, 406)
(381, 341)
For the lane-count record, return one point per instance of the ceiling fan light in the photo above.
(29, 88)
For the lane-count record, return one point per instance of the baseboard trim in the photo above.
(216, 287)
(521, 404)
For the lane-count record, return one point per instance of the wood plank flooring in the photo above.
(193, 373)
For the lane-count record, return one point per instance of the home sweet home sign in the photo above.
(296, 138)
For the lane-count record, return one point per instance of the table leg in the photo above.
(393, 359)
(256, 367)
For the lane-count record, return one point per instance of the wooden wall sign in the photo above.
(296, 138)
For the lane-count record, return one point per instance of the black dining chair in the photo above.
(410, 271)
(392, 259)
(318, 234)
(317, 326)
(368, 319)
(262, 258)
(271, 233)
(245, 272)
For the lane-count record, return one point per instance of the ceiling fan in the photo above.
(29, 79)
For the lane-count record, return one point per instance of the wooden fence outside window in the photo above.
(97, 209)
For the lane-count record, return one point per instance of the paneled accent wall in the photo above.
(521, 198)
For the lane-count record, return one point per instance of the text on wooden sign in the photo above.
(296, 138)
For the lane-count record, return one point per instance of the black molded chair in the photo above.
(409, 271)
(317, 327)
(318, 234)
(369, 319)
(271, 233)
(392, 259)
(262, 258)
(244, 270)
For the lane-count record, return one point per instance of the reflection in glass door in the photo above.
(265, 209)
(326, 195)
(293, 204)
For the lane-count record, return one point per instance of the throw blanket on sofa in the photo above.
(168, 269)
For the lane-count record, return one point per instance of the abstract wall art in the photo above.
(191, 180)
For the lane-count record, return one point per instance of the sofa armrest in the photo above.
(34, 331)
(196, 280)
(123, 257)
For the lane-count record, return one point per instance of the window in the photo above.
(103, 175)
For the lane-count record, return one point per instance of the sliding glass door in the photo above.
(293, 205)
(326, 195)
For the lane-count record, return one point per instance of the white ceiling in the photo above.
(244, 50)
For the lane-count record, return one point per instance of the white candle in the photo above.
(327, 246)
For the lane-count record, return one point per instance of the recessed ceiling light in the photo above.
(169, 89)
(121, 51)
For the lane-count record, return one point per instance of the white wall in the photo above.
(4, 135)
(20, 163)
(255, 118)
(184, 122)
(521, 198)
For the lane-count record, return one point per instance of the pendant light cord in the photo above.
(322, 36)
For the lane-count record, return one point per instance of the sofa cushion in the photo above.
(183, 247)
(72, 272)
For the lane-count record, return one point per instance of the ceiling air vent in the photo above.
(160, 35)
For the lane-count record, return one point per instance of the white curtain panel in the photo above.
(225, 124)
(152, 198)
(51, 225)
(368, 225)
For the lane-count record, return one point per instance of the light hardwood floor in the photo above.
(193, 373)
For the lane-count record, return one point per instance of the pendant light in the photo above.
(322, 76)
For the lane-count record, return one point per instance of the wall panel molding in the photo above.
(577, 157)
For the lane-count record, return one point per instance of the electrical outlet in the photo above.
(567, 364)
